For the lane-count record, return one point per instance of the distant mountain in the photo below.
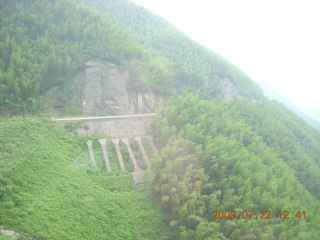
(272, 95)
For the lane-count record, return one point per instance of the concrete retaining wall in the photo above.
(128, 129)
(113, 126)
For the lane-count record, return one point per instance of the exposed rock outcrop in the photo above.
(102, 89)
(228, 88)
(13, 234)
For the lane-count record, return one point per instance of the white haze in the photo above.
(274, 42)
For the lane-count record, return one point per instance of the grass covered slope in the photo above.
(49, 191)
(3, 237)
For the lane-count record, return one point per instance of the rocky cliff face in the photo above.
(102, 89)
(228, 88)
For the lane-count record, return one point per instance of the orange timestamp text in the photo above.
(258, 214)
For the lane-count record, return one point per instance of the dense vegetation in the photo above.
(237, 155)
(196, 67)
(241, 154)
(3, 237)
(43, 45)
(49, 190)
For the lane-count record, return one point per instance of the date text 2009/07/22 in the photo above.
(259, 214)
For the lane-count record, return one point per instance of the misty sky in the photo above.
(274, 42)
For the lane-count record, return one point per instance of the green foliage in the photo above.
(49, 190)
(3, 237)
(236, 155)
(195, 66)
(43, 44)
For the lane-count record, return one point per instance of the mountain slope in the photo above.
(43, 49)
(235, 156)
(196, 66)
(43, 44)
(50, 191)
(241, 154)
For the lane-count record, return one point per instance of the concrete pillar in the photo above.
(140, 103)
(105, 154)
(91, 154)
(143, 153)
(132, 158)
(119, 155)
(138, 178)
(152, 144)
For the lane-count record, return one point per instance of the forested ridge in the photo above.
(243, 153)
(237, 156)
(196, 66)
(44, 44)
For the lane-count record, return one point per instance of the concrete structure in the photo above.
(152, 144)
(138, 173)
(106, 118)
(133, 160)
(126, 130)
(91, 154)
(105, 154)
(143, 153)
(119, 155)
(138, 178)
(113, 126)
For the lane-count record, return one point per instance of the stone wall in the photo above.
(135, 125)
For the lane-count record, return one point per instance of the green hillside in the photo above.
(49, 190)
(196, 66)
(44, 45)
(239, 154)
(3, 237)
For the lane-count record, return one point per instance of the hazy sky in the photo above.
(274, 42)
